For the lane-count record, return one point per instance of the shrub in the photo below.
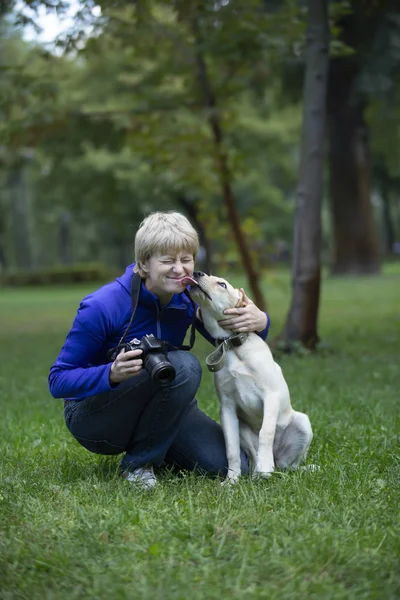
(61, 274)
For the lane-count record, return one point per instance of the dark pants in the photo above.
(153, 423)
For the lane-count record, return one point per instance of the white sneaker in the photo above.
(144, 476)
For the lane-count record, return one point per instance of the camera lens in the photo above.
(164, 373)
(159, 368)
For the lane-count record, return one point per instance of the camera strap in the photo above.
(136, 282)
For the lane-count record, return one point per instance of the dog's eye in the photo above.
(222, 284)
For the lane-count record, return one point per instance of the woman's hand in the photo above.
(126, 365)
(244, 318)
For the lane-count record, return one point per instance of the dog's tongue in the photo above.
(188, 280)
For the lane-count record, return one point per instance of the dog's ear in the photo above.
(241, 301)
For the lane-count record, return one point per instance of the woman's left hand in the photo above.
(244, 318)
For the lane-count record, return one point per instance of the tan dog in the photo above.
(255, 408)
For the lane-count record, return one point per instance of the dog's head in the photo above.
(214, 295)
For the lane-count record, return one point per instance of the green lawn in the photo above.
(71, 528)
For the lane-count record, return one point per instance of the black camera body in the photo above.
(155, 359)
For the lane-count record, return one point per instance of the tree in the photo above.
(355, 81)
(132, 123)
(301, 322)
(190, 62)
(382, 117)
(224, 170)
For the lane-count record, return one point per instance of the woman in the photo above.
(117, 407)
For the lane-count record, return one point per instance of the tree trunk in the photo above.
(386, 185)
(224, 171)
(20, 215)
(355, 243)
(64, 237)
(3, 253)
(387, 224)
(301, 323)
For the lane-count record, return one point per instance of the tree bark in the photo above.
(64, 237)
(20, 215)
(302, 319)
(3, 227)
(354, 238)
(386, 185)
(389, 235)
(224, 171)
(355, 241)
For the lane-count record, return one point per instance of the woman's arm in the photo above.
(72, 375)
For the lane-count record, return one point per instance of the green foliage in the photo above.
(33, 83)
(126, 127)
(70, 527)
(118, 125)
(60, 274)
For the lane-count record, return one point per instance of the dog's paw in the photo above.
(231, 479)
(261, 475)
(263, 472)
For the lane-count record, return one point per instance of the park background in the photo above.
(274, 126)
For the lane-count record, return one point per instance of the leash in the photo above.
(216, 360)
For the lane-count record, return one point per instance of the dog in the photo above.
(255, 409)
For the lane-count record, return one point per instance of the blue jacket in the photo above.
(82, 367)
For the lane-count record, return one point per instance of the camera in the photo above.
(155, 359)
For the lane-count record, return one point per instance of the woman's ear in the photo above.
(141, 269)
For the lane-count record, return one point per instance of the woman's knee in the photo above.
(188, 372)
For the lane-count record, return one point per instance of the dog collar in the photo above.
(216, 360)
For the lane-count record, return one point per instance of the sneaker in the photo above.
(143, 476)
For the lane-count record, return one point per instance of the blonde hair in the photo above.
(161, 232)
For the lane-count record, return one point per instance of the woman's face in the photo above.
(164, 273)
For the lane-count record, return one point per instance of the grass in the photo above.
(71, 528)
